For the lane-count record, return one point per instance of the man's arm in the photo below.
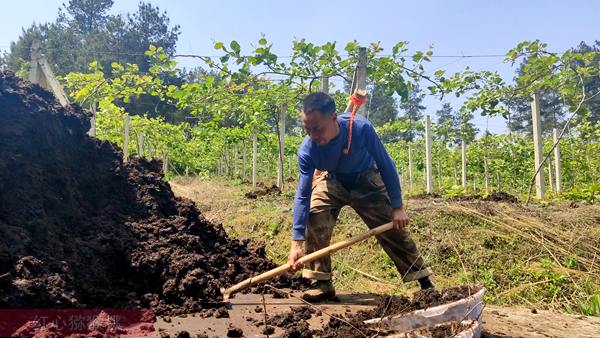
(301, 210)
(302, 198)
(385, 164)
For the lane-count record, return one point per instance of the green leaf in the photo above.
(235, 46)
(262, 41)
(218, 45)
(418, 56)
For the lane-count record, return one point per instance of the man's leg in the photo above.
(371, 202)
(318, 235)
(326, 201)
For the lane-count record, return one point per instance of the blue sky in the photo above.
(452, 27)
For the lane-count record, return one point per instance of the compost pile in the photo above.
(79, 228)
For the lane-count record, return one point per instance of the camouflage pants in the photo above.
(369, 198)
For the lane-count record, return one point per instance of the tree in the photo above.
(412, 110)
(85, 32)
(147, 26)
(382, 108)
(592, 84)
(465, 128)
(86, 16)
(446, 127)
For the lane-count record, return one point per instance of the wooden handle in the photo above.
(305, 259)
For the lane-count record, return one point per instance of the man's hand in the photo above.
(400, 218)
(296, 251)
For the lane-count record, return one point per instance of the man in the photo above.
(355, 171)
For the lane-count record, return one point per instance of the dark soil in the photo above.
(350, 326)
(263, 191)
(493, 197)
(423, 299)
(501, 197)
(296, 314)
(394, 305)
(293, 322)
(234, 332)
(444, 330)
(79, 228)
(424, 196)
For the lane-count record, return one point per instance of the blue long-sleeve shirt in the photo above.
(366, 150)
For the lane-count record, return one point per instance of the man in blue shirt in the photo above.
(343, 162)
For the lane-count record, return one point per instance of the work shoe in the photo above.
(425, 283)
(320, 291)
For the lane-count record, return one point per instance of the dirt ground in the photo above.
(227, 202)
(497, 321)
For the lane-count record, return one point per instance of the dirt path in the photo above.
(246, 313)
(521, 322)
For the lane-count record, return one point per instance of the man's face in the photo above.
(320, 128)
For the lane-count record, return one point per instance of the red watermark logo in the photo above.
(76, 322)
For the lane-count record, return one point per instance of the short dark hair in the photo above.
(318, 102)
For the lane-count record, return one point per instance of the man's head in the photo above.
(319, 118)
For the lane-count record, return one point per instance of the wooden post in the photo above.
(463, 151)
(428, 165)
(92, 131)
(126, 139)
(280, 158)
(486, 175)
(324, 84)
(537, 147)
(254, 158)
(244, 161)
(410, 169)
(557, 163)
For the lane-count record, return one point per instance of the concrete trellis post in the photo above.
(410, 169)
(428, 159)
(254, 158)
(235, 160)
(280, 158)
(540, 184)
(92, 131)
(463, 151)
(557, 163)
(126, 139)
(486, 177)
(165, 162)
(244, 150)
